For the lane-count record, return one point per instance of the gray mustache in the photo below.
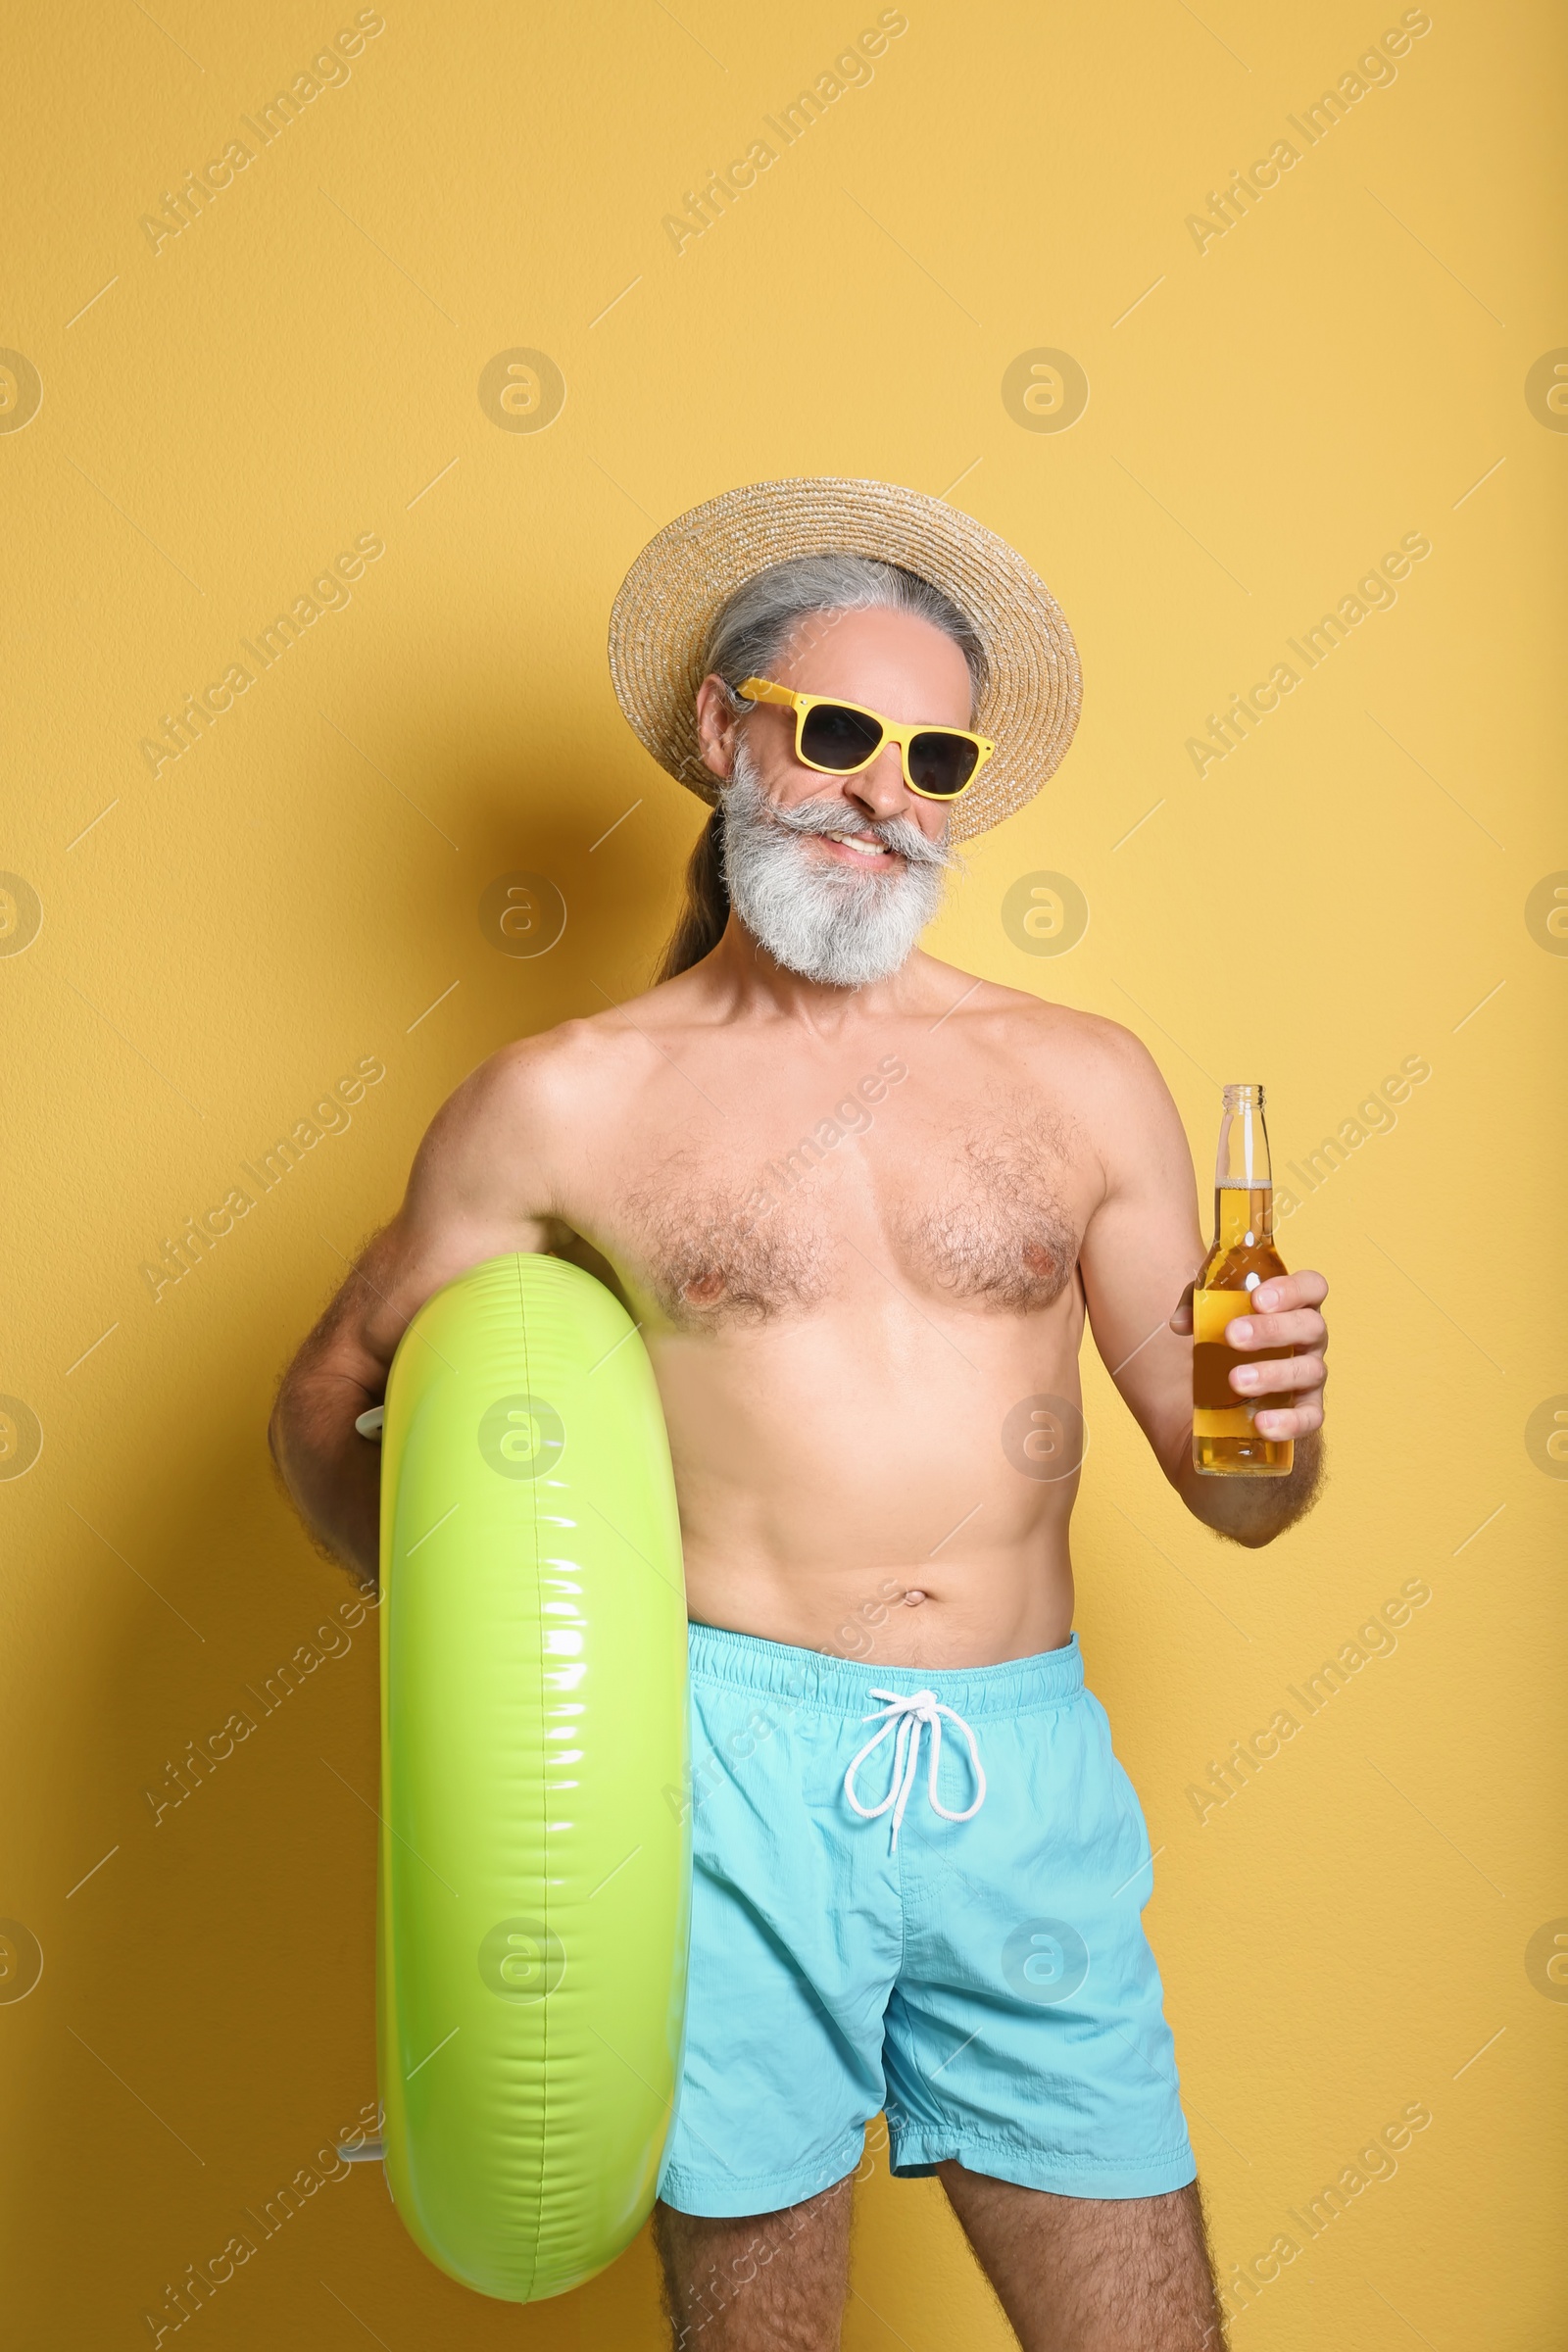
(900, 833)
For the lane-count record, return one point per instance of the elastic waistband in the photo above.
(1054, 1678)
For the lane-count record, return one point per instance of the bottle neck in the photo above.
(1243, 1156)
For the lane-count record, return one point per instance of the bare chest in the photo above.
(987, 1212)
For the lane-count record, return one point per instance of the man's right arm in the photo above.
(479, 1189)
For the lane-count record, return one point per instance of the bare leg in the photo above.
(1093, 2273)
(767, 2282)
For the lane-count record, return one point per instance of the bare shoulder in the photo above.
(1091, 1060)
(558, 1071)
(1091, 1076)
(505, 1142)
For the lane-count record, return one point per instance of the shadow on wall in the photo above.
(593, 935)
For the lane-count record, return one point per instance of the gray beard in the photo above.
(827, 922)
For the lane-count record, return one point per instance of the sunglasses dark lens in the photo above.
(942, 764)
(837, 738)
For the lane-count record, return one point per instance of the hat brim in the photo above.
(662, 617)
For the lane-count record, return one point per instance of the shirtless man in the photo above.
(862, 1206)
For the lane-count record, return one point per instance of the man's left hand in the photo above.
(1285, 1314)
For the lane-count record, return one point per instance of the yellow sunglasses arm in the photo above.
(762, 690)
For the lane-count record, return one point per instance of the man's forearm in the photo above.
(1249, 1511)
(332, 1474)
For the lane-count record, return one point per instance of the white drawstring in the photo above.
(905, 1717)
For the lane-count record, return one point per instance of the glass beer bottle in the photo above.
(1225, 1442)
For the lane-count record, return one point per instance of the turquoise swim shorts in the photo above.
(917, 1893)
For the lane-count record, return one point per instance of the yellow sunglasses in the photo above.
(840, 739)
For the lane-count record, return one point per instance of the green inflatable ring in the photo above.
(535, 1859)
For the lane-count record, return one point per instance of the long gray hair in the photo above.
(747, 636)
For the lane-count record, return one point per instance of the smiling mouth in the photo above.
(864, 845)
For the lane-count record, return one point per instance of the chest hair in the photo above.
(990, 1225)
(997, 1228)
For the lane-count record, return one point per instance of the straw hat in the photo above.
(672, 593)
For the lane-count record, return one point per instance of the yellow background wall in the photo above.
(1370, 1922)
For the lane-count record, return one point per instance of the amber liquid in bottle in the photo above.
(1225, 1442)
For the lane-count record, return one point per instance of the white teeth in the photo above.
(858, 840)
